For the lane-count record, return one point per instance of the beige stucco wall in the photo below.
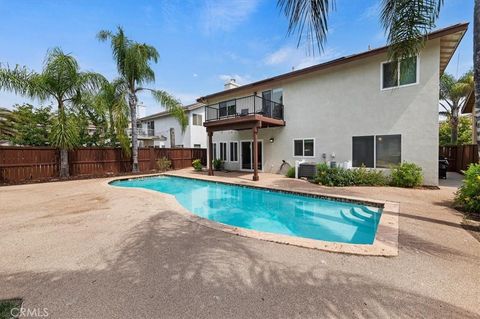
(336, 104)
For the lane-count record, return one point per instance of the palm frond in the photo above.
(64, 134)
(406, 22)
(7, 123)
(308, 18)
(172, 105)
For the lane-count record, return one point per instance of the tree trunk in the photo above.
(111, 129)
(132, 101)
(454, 123)
(64, 171)
(476, 59)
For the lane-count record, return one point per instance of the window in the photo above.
(197, 119)
(233, 152)
(388, 150)
(304, 147)
(197, 145)
(214, 151)
(381, 151)
(223, 151)
(391, 77)
(362, 151)
(179, 146)
(227, 108)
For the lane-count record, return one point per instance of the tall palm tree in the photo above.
(453, 94)
(476, 59)
(133, 64)
(60, 81)
(7, 123)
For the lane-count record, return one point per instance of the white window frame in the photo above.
(240, 155)
(230, 150)
(398, 75)
(193, 119)
(303, 139)
(220, 151)
(375, 149)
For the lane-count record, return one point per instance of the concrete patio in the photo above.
(85, 249)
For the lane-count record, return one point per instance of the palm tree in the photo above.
(453, 94)
(7, 123)
(404, 21)
(111, 101)
(61, 81)
(133, 64)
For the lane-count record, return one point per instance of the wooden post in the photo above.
(210, 153)
(255, 153)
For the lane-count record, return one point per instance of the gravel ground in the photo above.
(84, 249)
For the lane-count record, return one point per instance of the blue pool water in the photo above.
(269, 211)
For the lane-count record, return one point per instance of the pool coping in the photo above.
(386, 238)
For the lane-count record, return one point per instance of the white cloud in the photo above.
(240, 79)
(226, 15)
(293, 57)
(371, 12)
(195, 75)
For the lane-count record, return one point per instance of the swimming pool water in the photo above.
(269, 211)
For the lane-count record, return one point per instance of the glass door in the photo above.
(247, 155)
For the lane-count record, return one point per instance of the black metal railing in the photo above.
(244, 106)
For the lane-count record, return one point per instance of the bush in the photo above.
(369, 177)
(348, 177)
(197, 165)
(164, 164)
(217, 164)
(468, 195)
(406, 175)
(290, 172)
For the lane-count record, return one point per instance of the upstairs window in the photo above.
(227, 108)
(399, 73)
(197, 119)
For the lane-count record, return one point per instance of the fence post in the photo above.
(152, 158)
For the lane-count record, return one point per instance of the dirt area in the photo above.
(86, 249)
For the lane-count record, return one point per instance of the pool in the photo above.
(269, 211)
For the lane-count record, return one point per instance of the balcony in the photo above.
(143, 133)
(242, 113)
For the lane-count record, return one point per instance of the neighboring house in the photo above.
(163, 130)
(468, 108)
(353, 109)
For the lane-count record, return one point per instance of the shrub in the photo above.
(369, 177)
(333, 176)
(348, 177)
(290, 172)
(164, 164)
(468, 195)
(197, 165)
(406, 175)
(217, 164)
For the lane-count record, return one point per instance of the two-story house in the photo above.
(361, 109)
(163, 130)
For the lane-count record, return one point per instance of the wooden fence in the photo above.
(23, 164)
(460, 156)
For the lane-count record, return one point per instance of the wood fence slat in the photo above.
(460, 156)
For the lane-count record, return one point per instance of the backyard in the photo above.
(87, 249)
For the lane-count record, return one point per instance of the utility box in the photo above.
(308, 170)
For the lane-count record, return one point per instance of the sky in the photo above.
(202, 43)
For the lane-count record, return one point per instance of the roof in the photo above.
(468, 106)
(450, 38)
(187, 108)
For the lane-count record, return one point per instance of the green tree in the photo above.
(62, 82)
(7, 124)
(133, 64)
(453, 94)
(32, 125)
(464, 131)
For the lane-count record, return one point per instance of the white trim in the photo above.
(240, 156)
(398, 75)
(303, 151)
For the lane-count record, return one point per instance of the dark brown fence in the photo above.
(460, 156)
(23, 164)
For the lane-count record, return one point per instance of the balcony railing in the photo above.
(248, 105)
(142, 132)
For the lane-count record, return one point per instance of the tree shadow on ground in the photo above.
(170, 267)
